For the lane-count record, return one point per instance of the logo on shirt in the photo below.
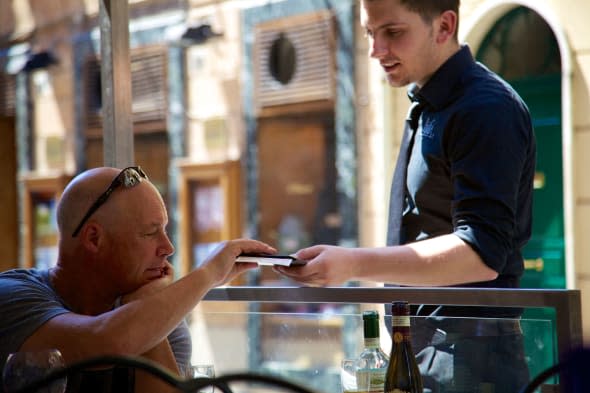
(428, 125)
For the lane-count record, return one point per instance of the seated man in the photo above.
(112, 290)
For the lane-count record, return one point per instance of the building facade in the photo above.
(268, 119)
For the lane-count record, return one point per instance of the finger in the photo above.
(248, 245)
(244, 266)
(168, 270)
(297, 273)
(311, 281)
(238, 269)
(309, 252)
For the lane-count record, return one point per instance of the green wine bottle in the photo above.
(372, 362)
(402, 375)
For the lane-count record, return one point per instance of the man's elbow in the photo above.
(485, 273)
(490, 274)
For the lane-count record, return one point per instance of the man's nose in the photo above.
(378, 48)
(167, 249)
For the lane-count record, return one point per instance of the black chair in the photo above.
(574, 373)
(183, 385)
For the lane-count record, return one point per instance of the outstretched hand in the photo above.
(221, 264)
(326, 266)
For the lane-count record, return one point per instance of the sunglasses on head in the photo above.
(128, 177)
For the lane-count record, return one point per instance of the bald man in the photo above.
(112, 290)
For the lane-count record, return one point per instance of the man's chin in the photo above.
(396, 82)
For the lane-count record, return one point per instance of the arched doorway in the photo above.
(522, 48)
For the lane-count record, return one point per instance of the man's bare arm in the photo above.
(440, 261)
(137, 327)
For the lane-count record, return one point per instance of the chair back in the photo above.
(574, 373)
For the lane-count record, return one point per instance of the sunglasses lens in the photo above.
(130, 181)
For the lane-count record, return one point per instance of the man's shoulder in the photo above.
(486, 83)
(23, 275)
(22, 278)
(486, 92)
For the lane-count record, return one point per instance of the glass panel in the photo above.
(307, 347)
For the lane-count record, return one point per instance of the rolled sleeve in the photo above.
(488, 159)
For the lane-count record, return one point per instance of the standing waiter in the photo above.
(461, 199)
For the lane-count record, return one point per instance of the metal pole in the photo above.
(116, 84)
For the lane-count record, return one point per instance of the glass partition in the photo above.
(302, 334)
(307, 347)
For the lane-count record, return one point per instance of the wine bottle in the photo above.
(403, 375)
(372, 362)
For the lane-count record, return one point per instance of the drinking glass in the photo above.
(351, 379)
(202, 371)
(24, 368)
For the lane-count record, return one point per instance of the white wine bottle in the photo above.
(403, 375)
(372, 362)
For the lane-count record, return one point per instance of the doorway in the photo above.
(297, 195)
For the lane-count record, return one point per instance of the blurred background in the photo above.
(267, 119)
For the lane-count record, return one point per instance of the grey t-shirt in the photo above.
(28, 300)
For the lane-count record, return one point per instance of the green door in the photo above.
(522, 49)
(545, 253)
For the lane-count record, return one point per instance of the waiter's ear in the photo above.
(445, 26)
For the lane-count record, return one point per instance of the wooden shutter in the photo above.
(148, 87)
(92, 94)
(313, 37)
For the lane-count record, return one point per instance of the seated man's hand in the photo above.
(165, 279)
(221, 266)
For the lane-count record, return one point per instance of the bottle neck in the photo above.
(372, 342)
(370, 327)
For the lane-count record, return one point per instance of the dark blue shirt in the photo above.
(472, 165)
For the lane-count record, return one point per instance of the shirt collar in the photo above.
(414, 93)
(442, 86)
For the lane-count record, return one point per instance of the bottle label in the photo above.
(400, 320)
(398, 337)
(372, 342)
(371, 380)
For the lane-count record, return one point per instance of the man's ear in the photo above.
(91, 236)
(446, 26)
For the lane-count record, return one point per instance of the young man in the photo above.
(112, 290)
(467, 197)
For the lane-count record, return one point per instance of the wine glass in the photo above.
(202, 371)
(23, 368)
